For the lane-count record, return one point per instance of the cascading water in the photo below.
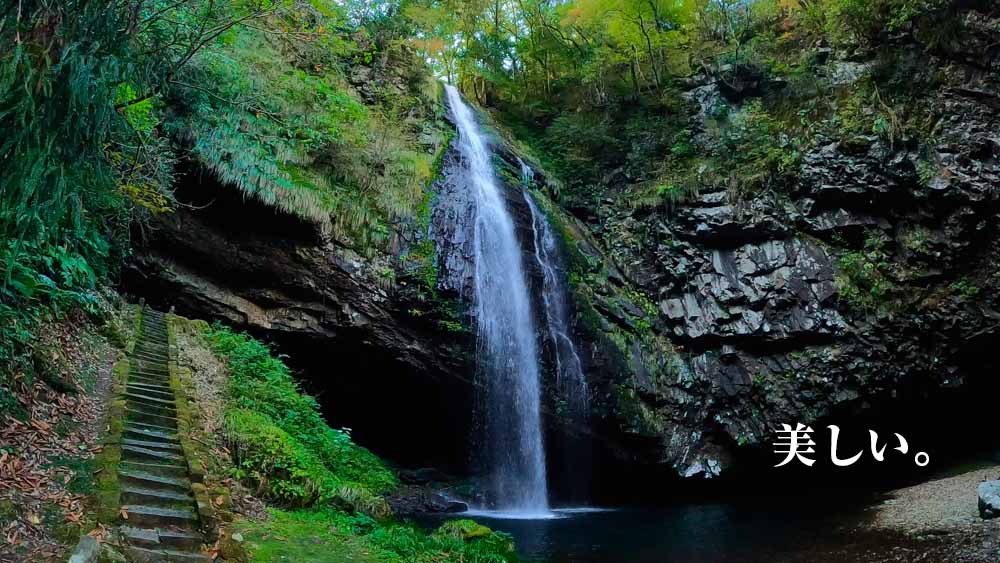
(570, 381)
(506, 335)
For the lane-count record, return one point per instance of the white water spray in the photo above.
(506, 335)
(570, 379)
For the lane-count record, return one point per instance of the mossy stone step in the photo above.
(152, 342)
(160, 391)
(155, 516)
(165, 437)
(150, 430)
(143, 399)
(162, 469)
(152, 408)
(158, 445)
(134, 425)
(154, 538)
(151, 454)
(161, 385)
(147, 555)
(152, 372)
(155, 381)
(152, 358)
(150, 398)
(155, 497)
(158, 384)
(149, 418)
(150, 480)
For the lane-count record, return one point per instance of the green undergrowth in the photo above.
(281, 442)
(325, 491)
(325, 535)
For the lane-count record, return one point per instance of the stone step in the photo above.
(136, 433)
(160, 391)
(161, 469)
(150, 399)
(150, 370)
(151, 408)
(154, 538)
(163, 386)
(152, 444)
(149, 418)
(156, 456)
(155, 517)
(149, 480)
(161, 359)
(143, 399)
(146, 555)
(151, 380)
(143, 427)
(154, 497)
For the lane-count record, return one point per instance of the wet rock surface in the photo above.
(989, 499)
(752, 327)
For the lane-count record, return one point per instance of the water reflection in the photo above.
(692, 533)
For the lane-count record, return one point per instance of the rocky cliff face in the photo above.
(870, 277)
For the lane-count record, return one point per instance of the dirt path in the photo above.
(47, 451)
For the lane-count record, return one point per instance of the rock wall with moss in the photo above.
(819, 239)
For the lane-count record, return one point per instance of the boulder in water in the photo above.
(989, 499)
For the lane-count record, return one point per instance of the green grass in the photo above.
(327, 535)
(304, 536)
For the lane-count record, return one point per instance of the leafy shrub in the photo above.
(863, 280)
(864, 20)
(756, 150)
(278, 465)
(282, 444)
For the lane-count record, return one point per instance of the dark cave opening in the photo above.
(411, 419)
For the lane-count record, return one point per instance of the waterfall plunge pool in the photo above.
(817, 527)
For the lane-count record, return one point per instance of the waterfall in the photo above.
(570, 381)
(506, 334)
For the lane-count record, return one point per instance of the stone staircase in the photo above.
(162, 521)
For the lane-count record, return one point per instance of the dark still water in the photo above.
(803, 529)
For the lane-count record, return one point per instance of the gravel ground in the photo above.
(941, 517)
